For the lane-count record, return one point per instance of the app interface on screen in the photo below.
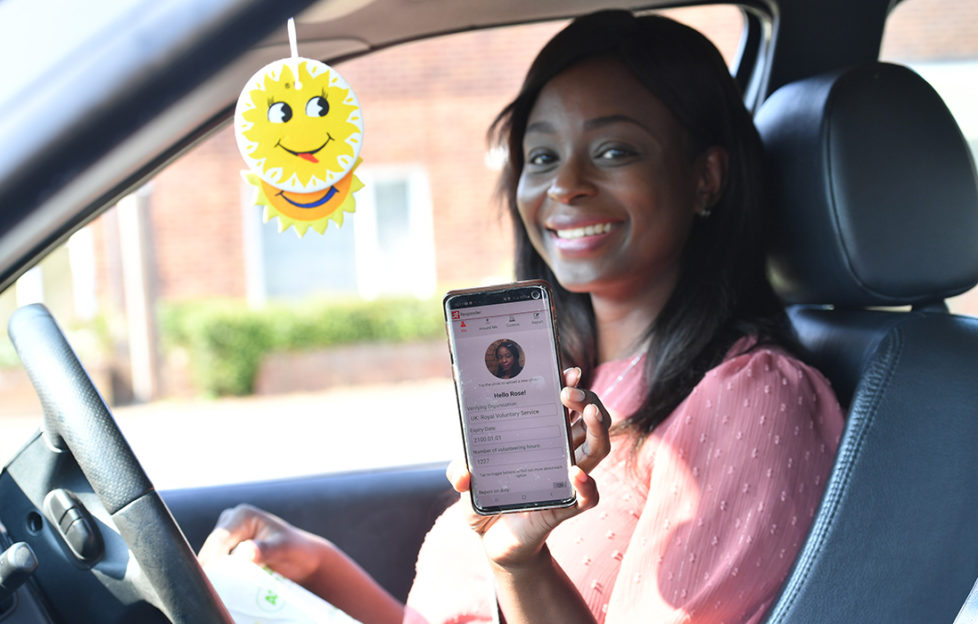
(509, 387)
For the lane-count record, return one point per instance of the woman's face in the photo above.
(608, 190)
(506, 359)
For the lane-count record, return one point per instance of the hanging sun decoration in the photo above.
(299, 129)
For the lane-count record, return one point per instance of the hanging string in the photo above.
(295, 50)
(292, 42)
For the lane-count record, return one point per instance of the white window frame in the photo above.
(371, 279)
(370, 273)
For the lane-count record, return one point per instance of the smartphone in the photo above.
(506, 365)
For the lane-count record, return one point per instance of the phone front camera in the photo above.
(536, 294)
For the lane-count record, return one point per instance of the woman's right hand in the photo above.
(512, 539)
(309, 560)
(265, 539)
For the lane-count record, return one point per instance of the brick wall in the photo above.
(196, 221)
(926, 30)
(431, 103)
(428, 102)
(196, 202)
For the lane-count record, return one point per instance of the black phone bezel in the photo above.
(493, 295)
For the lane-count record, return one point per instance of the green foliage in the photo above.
(227, 341)
(8, 355)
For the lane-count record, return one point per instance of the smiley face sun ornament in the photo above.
(299, 128)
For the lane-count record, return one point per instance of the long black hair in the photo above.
(722, 293)
(514, 349)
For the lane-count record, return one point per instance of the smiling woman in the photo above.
(698, 519)
(620, 142)
(633, 178)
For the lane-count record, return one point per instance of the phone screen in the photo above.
(508, 380)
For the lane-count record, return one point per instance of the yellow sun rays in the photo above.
(299, 135)
(302, 211)
(299, 128)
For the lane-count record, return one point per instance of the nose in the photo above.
(570, 183)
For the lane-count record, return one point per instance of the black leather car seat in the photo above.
(877, 203)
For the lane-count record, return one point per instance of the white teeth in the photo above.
(590, 230)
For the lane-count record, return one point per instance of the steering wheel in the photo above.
(77, 421)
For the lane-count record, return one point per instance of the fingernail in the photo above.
(577, 395)
(598, 416)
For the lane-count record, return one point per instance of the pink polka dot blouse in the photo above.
(701, 527)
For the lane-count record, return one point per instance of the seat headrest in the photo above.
(875, 194)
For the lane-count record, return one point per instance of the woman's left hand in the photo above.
(514, 539)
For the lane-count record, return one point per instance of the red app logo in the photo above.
(456, 315)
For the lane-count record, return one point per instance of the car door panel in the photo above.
(378, 517)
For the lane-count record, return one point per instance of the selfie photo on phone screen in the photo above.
(508, 379)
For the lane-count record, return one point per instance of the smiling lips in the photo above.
(309, 156)
(580, 232)
(582, 238)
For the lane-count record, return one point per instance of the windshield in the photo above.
(209, 330)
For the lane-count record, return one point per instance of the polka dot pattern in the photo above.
(702, 525)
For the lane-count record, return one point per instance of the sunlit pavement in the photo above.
(203, 442)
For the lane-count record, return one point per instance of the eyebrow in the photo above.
(590, 124)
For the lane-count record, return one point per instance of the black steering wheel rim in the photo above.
(77, 420)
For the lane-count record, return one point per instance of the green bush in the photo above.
(227, 341)
(8, 355)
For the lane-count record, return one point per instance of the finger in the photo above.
(587, 495)
(597, 443)
(576, 399)
(458, 475)
(250, 550)
(578, 433)
(224, 537)
(586, 488)
(573, 399)
(572, 376)
(460, 478)
(234, 526)
(216, 545)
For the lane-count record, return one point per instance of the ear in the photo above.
(711, 168)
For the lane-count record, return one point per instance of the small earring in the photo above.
(705, 201)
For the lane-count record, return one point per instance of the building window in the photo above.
(385, 248)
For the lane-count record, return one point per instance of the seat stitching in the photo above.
(837, 486)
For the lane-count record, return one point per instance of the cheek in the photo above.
(529, 198)
(524, 199)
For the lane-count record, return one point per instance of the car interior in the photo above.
(866, 225)
(876, 193)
